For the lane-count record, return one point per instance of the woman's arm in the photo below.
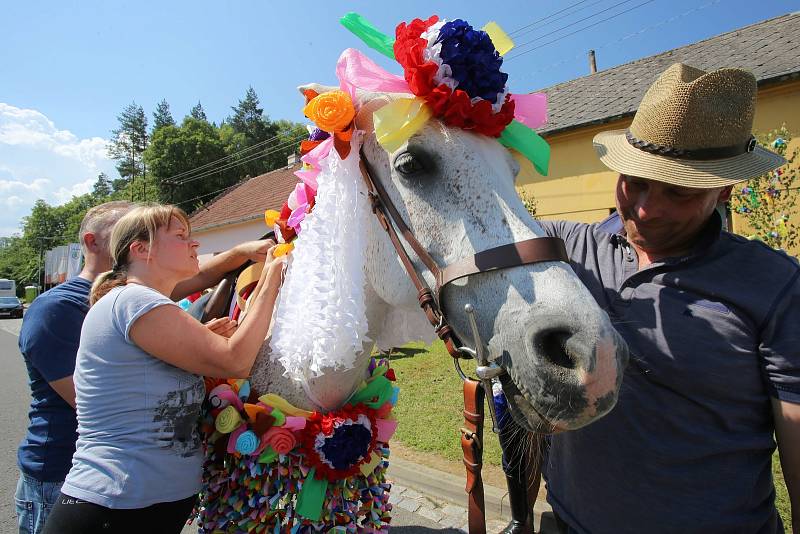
(215, 268)
(172, 335)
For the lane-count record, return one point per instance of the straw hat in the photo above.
(693, 129)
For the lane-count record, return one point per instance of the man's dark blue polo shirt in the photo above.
(48, 340)
(713, 337)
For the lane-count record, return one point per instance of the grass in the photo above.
(430, 415)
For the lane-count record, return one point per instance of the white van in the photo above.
(8, 288)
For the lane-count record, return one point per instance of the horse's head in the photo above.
(455, 190)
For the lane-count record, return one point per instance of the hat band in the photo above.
(696, 154)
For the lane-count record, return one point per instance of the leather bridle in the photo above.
(536, 250)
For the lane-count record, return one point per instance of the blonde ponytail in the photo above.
(106, 282)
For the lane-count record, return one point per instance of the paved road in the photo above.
(15, 398)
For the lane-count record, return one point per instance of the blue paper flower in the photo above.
(347, 445)
(473, 60)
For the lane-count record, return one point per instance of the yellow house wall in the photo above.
(580, 188)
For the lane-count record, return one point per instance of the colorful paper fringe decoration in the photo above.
(272, 467)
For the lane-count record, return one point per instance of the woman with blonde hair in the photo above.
(138, 381)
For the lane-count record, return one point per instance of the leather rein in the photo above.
(536, 250)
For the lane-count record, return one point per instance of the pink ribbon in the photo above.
(386, 429)
(530, 109)
(357, 71)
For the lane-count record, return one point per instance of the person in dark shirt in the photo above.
(712, 321)
(49, 340)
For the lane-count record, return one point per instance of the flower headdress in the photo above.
(454, 71)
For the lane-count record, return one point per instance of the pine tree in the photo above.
(129, 141)
(162, 116)
(198, 113)
(102, 187)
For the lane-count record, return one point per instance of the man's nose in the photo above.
(647, 206)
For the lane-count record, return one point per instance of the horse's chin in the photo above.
(523, 412)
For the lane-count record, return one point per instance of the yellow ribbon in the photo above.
(276, 401)
(500, 39)
(400, 119)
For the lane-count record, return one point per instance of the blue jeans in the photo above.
(34, 500)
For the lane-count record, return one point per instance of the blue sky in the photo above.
(68, 68)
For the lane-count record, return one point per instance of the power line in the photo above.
(580, 29)
(229, 156)
(629, 36)
(248, 159)
(524, 30)
(573, 23)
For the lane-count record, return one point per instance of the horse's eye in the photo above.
(407, 164)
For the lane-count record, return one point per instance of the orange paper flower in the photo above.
(332, 111)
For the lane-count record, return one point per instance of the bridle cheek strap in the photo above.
(536, 250)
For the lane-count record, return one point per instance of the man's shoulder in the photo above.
(55, 306)
(769, 261)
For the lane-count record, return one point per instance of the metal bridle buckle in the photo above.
(486, 370)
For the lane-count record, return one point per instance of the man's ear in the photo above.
(725, 194)
(91, 242)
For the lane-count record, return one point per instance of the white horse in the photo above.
(455, 190)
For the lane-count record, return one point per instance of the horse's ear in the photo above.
(315, 87)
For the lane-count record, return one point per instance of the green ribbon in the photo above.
(380, 388)
(528, 143)
(368, 33)
(312, 495)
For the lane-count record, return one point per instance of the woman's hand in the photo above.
(223, 326)
(255, 251)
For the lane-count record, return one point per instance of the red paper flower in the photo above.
(338, 443)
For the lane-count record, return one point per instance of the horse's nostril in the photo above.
(552, 345)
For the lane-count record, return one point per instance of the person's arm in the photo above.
(787, 434)
(215, 268)
(65, 388)
(49, 339)
(174, 336)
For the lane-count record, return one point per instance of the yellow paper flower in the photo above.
(331, 112)
(271, 217)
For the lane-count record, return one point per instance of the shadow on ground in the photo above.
(404, 352)
(416, 530)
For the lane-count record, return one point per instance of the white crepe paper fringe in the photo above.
(401, 326)
(320, 320)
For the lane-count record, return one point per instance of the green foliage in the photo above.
(198, 113)
(162, 116)
(176, 150)
(102, 187)
(251, 128)
(128, 142)
(528, 200)
(769, 201)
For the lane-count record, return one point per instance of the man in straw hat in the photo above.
(712, 321)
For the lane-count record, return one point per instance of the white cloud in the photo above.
(40, 160)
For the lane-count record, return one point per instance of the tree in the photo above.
(251, 128)
(129, 142)
(102, 187)
(768, 202)
(174, 151)
(198, 113)
(162, 116)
